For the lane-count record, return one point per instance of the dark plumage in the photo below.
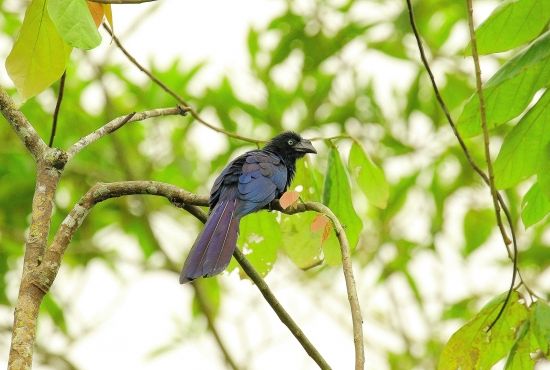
(247, 184)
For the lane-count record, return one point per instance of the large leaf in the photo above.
(520, 354)
(512, 24)
(300, 244)
(75, 23)
(523, 151)
(472, 347)
(370, 177)
(39, 55)
(540, 323)
(337, 196)
(511, 89)
(535, 206)
(260, 238)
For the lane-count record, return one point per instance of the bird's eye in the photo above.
(290, 142)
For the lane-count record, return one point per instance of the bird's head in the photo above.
(290, 145)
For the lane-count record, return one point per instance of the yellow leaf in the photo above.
(109, 15)
(39, 55)
(289, 198)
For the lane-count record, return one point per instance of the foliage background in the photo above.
(425, 264)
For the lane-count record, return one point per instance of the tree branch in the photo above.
(22, 127)
(171, 92)
(117, 123)
(347, 267)
(179, 197)
(486, 144)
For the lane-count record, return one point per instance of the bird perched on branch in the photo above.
(246, 185)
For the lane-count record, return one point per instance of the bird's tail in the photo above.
(214, 247)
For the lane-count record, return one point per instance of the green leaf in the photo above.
(75, 23)
(260, 237)
(337, 196)
(511, 89)
(535, 206)
(543, 175)
(370, 177)
(39, 55)
(478, 225)
(520, 354)
(523, 150)
(472, 347)
(512, 24)
(301, 245)
(540, 322)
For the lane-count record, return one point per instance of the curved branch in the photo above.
(347, 267)
(117, 123)
(103, 191)
(463, 146)
(22, 127)
(486, 145)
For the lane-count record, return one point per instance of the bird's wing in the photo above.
(263, 177)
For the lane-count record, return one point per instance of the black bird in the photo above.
(247, 184)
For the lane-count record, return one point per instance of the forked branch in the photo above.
(103, 191)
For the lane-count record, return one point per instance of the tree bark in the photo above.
(33, 285)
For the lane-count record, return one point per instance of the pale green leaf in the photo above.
(259, 238)
(535, 206)
(522, 152)
(39, 55)
(511, 89)
(75, 23)
(520, 354)
(543, 175)
(540, 322)
(370, 177)
(300, 244)
(472, 347)
(512, 24)
(337, 196)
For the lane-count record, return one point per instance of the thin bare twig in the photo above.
(357, 320)
(102, 191)
(117, 123)
(22, 127)
(171, 92)
(475, 167)
(57, 107)
(486, 144)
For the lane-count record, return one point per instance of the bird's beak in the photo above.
(305, 146)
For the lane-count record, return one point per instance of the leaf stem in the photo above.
(57, 107)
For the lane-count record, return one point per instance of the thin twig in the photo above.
(476, 168)
(57, 107)
(103, 191)
(357, 320)
(171, 92)
(117, 123)
(22, 127)
(486, 144)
